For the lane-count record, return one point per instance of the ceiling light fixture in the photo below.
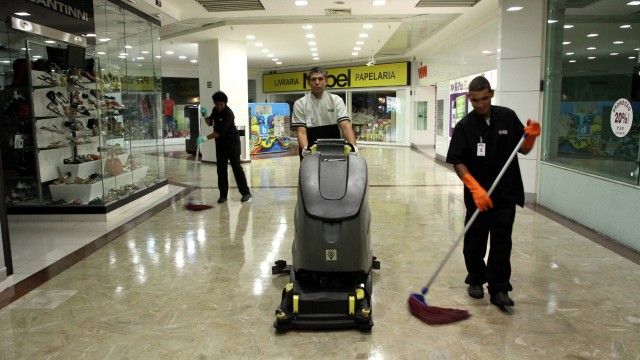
(22, 13)
(258, 44)
(566, 43)
(250, 37)
(633, 3)
(378, 2)
(310, 36)
(618, 42)
(307, 26)
(568, 26)
(515, 8)
(301, 2)
(367, 26)
(316, 58)
(182, 57)
(169, 52)
(625, 26)
(312, 43)
(592, 35)
(363, 35)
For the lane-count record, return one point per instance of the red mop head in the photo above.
(434, 315)
(197, 207)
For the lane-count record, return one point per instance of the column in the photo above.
(223, 67)
(520, 46)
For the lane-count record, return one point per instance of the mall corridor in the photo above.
(198, 285)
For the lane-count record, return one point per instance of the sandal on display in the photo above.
(52, 97)
(48, 79)
(54, 109)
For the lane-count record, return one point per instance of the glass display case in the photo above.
(78, 123)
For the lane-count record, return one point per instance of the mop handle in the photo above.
(475, 215)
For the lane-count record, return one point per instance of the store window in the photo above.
(374, 115)
(592, 89)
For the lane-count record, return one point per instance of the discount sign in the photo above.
(621, 117)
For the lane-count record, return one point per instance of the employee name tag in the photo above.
(482, 147)
(308, 120)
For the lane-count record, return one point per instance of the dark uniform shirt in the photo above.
(501, 137)
(224, 125)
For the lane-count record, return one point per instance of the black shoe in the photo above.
(501, 299)
(245, 197)
(222, 200)
(475, 291)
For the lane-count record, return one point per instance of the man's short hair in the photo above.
(220, 96)
(316, 70)
(479, 83)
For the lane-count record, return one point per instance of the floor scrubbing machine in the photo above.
(331, 276)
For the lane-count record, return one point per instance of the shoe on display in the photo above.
(475, 291)
(245, 197)
(61, 96)
(222, 200)
(501, 299)
(52, 97)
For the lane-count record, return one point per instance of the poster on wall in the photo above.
(270, 124)
(458, 96)
(586, 128)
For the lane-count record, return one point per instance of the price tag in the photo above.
(621, 118)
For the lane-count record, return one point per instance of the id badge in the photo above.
(482, 147)
(307, 119)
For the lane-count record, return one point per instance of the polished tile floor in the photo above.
(198, 285)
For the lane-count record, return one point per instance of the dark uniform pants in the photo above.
(230, 152)
(494, 226)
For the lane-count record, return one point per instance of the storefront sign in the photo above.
(621, 118)
(422, 72)
(395, 74)
(63, 9)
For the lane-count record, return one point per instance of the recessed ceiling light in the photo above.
(265, 50)
(378, 2)
(357, 48)
(258, 44)
(633, 3)
(632, 57)
(310, 36)
(6, 62)
(316, 58)
(313, 49)
(359, 42)
(363, 35)
(487, 52)
(193, 61)
(301, 2)
(354, 53)
(169, 52)
(569, 53)
(122, 56)
(101, 53)
(618, 42)
(270, 55)
(144, 52)
(104, 39)
(182, 57)
(625, 26)
(552, 21)
(591, 57)
(592, 35)
(128, 47)
(158, 56)
(613, 54)
(591, 48)
(566, 43)
(312, 43)
(250, 37)
(140, 58)
(314, 54)
(307, 26)
(637, 49)
(22, 13)
(279, 63)
(91, 35)
(50, 41)
(572, 61)
(367, 26)
(568, 26)
(515, 8)
(274, 59)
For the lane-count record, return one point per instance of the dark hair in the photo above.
(220, 96)
(316, 69)
(479, 83)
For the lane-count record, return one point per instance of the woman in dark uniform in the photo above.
(227, 147)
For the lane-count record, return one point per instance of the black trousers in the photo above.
(493, 227)
(229, 152)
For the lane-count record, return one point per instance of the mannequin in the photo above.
(169, 122)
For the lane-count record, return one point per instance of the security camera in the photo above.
(372, 61)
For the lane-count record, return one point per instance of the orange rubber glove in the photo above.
(480, 196)
(532, 130)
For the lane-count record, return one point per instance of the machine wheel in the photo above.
(368, 285)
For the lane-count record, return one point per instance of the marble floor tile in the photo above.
(198, 285)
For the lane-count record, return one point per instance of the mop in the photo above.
(190, 204)
(434, 315)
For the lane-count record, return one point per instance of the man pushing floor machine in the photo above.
(331, 276)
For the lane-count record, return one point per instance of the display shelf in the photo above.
(86, 192)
